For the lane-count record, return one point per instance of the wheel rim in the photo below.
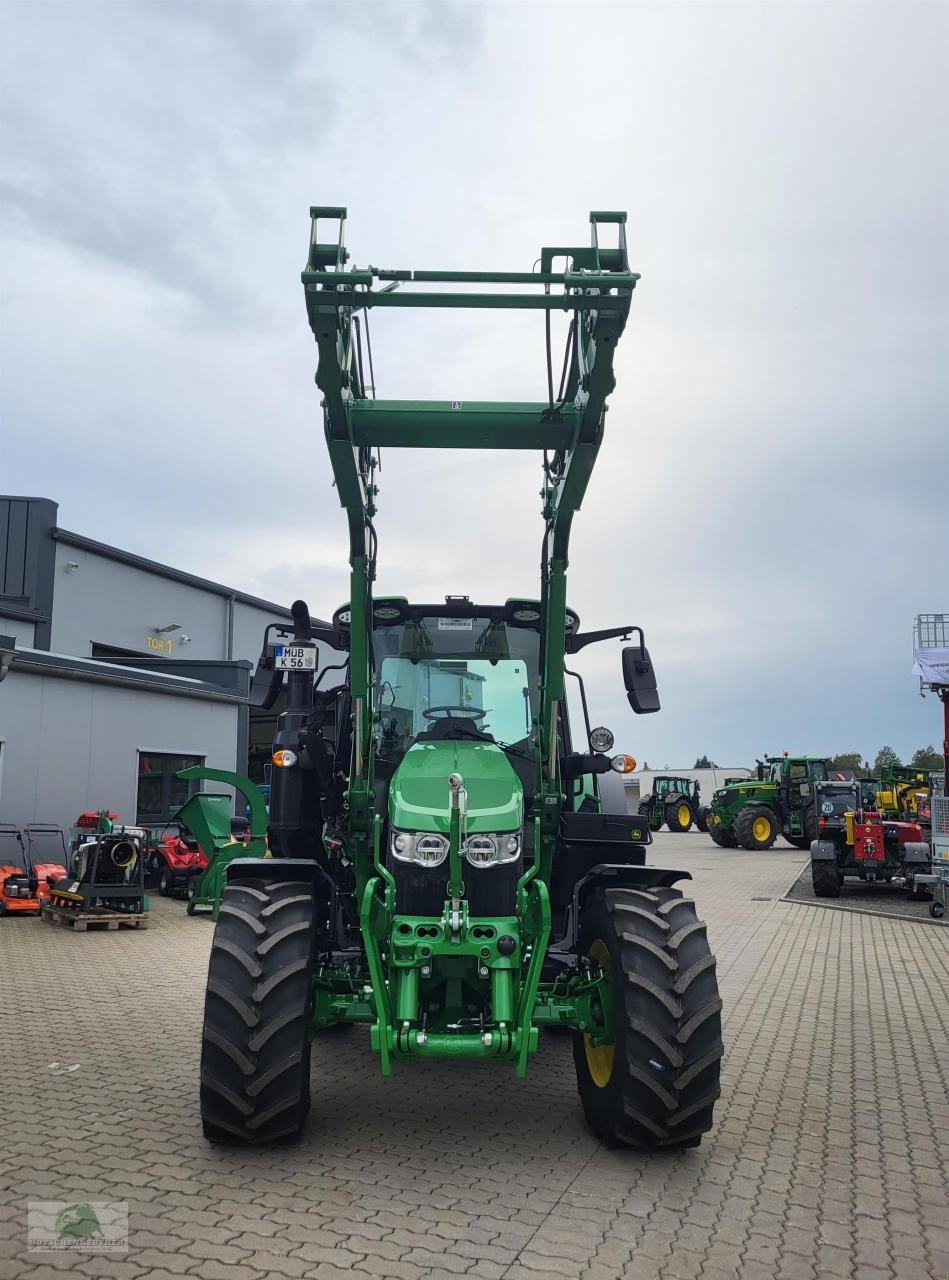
(599, 1056)
(685, 815)
(761, 828)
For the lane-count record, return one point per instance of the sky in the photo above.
(770, 501)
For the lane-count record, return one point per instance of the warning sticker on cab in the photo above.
(456, 624)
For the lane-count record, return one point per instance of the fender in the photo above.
(823, 851)
(615, 876)
(276, 869)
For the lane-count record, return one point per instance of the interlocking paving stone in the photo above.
(828, 1157)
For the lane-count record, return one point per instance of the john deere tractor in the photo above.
(753, 812)
(674, 802)
(450, 862)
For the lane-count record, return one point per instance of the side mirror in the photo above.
(640, 679)
(266, 683)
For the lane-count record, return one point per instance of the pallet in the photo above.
(95, 918)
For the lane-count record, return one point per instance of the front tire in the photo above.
(656, 1086)
(826, 879)
(166, 882)
(723, 837)
(255, 1056)
(756, 827)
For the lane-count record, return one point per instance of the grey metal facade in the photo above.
(98, 676)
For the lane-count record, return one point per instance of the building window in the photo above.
(160, 792)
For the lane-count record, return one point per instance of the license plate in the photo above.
(295, 657)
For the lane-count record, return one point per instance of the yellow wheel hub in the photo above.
(761, 828)
(685, 815)
(599, 1056)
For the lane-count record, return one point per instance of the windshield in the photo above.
(463, 677)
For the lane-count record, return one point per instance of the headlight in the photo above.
(492, 850)
(284, 759)
(424, 848)
(601, 739)
(428, 849)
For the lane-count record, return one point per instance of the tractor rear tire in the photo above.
(678, 815)
(656, 1086)
(757, 827)
(701, 817)
(645, 811)
(725, 839)
(826, 879)
(255, 1055)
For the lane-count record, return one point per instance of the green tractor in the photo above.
(452, 862)
(675, 803)
(753, 812)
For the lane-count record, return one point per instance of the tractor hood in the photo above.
(419, 797)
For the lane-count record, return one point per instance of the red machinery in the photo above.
(880, 843)
(175, 860)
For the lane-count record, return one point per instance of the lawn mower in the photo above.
(174, 861)
(24, 888)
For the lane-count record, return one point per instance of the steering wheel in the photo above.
(431, 713)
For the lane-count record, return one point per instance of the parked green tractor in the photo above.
(753, 812)
(450, 864)
(675, 803)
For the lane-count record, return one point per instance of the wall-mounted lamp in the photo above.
(72, 566)
(184, 639)
(172, 626)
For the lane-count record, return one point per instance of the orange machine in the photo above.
(25, 885)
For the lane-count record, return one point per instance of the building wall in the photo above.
(104, 601)
(23, 633)
(71, 745)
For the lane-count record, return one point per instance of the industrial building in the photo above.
(117, 672)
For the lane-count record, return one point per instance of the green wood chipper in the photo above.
(451, 859)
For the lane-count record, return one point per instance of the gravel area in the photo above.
(872, 899)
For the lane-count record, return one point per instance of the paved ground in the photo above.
(828, 1158)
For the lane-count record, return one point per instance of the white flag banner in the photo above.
(932, 666)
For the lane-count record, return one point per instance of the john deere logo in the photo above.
(77, 1222)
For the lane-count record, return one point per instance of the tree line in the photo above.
(927, 758)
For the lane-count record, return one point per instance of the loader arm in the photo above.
(595, 289)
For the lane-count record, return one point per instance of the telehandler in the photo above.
(449, 863)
